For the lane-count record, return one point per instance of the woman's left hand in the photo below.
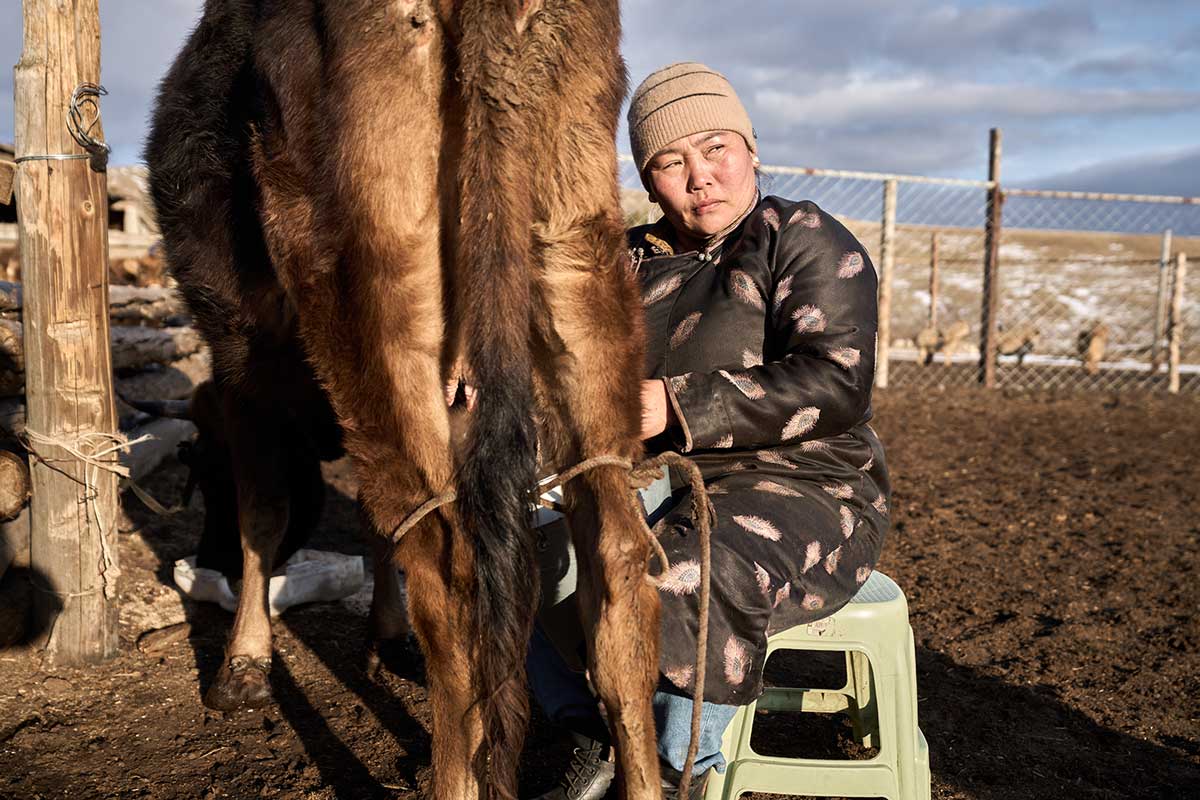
(657, 412)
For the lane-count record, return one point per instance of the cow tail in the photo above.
(498, 467)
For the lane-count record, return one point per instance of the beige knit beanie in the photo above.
(678, 101)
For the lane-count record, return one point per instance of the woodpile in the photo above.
(157, 356)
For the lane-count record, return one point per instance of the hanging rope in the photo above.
(95, 450)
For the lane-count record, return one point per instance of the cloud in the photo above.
(942, 34)
(1171, 173)
(1122, 65)
(833, 37)
(876, 100)
(1189, 39)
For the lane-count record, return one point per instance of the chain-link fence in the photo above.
(1083, 291)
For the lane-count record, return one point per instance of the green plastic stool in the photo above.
(880, 697)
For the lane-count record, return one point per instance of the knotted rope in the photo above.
(94, 450)
(641, 476)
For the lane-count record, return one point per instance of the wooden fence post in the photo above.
(991, 267)
(933, 280)
(1175, 325)
(62, 206)
(1160, 303)
(887, 260)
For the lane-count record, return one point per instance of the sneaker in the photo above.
(588, 776)
(670, 783)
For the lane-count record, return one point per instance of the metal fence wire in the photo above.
(1085, 295)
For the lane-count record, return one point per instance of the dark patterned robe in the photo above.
(766, 345)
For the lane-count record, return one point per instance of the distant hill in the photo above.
(1171, 174)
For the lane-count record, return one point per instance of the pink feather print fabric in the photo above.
(812, 602)
(847, 522)
(685, 329)
(809, 319)
(831, 560)
(736, 661)
(801, 423)
(762, 578)
(682, 578)
(745, 289)
(662, 290)
(771, 217)
(812, 556)
(759, 527)
(805, 219)
(681, 677)
(783, 290)
(845, 357)
(775, 457)
(680, 383)
(850, 265)
(774, 487)
(841, 491)
(745, 384)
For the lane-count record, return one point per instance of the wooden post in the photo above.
(1175, 325)
(991, 267)
(1160, 303)
(933, 280)
(63, 227)
(887, 259)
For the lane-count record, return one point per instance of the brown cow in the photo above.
(307, 163)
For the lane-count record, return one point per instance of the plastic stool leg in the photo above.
(866, 715)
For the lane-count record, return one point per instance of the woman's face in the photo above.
(703, 182)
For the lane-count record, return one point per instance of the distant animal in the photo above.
(946, 342)
(1091, 343)
(1019, 341)
(359, 197)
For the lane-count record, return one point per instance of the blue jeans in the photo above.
(565, 697)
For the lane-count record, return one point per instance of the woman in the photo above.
(761, 329)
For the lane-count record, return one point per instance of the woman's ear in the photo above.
(651, 197)
(754, 160)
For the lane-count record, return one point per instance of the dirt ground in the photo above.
(1047, 545)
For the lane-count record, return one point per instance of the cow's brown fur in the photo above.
(370, 121)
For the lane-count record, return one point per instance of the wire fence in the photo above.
(1084, 283)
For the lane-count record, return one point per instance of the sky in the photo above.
(1100, 95)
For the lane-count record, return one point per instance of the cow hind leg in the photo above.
(437, 567)
(388, 631)
(595, 321)
(263, 509)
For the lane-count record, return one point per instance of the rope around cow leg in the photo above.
(641, 476)
(425, 509)
(703, 515)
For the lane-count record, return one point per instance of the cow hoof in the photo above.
(242, 683)
(399, 656)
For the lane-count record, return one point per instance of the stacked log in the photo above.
(156, 356)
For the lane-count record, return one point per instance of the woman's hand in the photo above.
(657, 412)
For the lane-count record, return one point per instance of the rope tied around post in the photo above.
(96, 451)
